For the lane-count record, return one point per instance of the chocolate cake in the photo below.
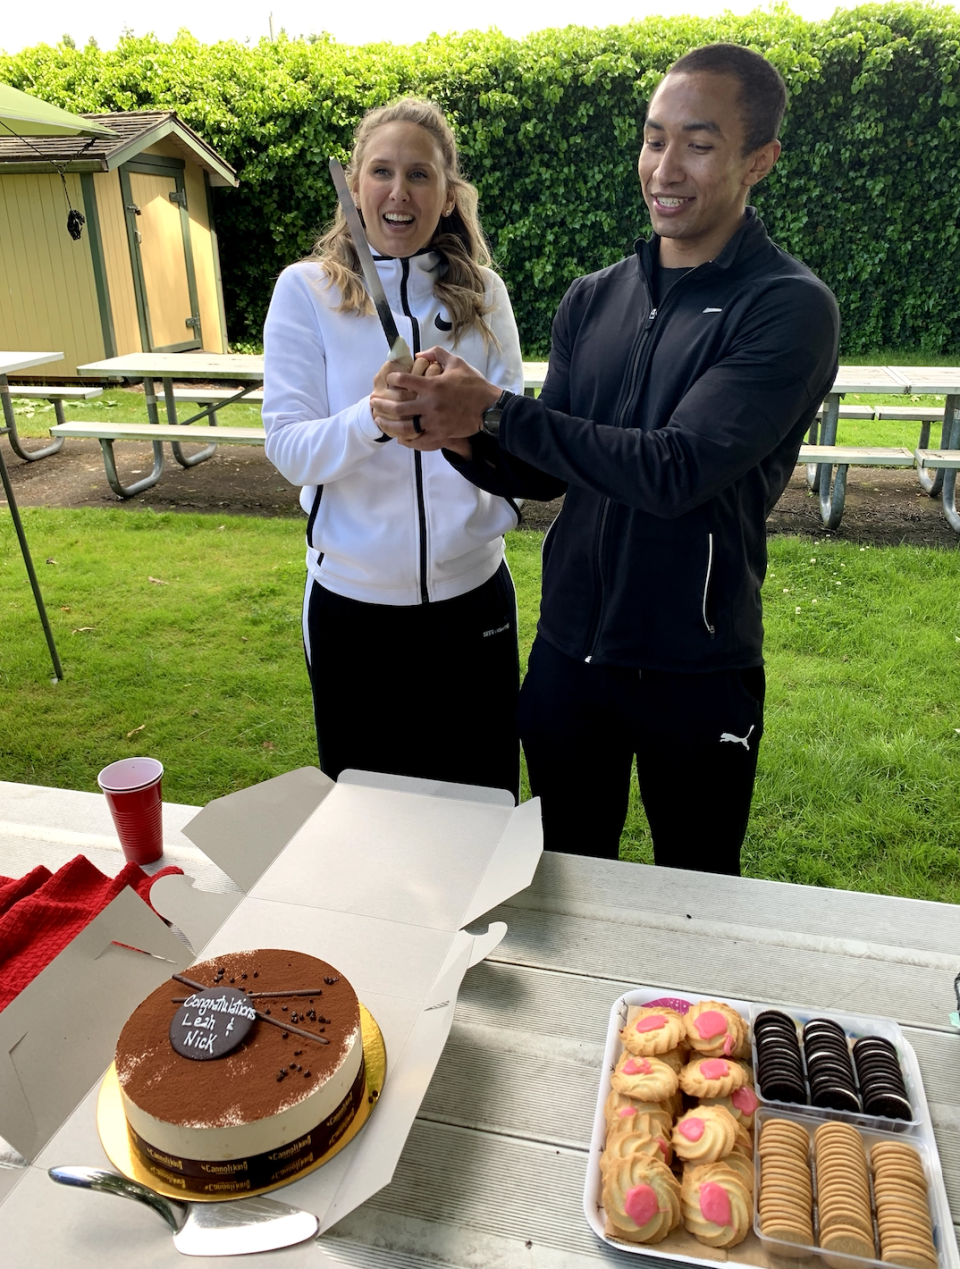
(243, 1071)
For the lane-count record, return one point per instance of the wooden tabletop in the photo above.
(11, 362)
(898, 379)
(492, 1174)
(177, 366)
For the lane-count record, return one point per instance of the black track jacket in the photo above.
(673, 432)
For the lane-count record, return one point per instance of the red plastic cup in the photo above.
(132, 789)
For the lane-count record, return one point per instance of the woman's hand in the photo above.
(383, 390)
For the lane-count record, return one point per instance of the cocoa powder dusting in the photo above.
(242, 1086)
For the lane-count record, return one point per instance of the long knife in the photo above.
(399, 349)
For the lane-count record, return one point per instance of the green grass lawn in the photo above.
(180, 637)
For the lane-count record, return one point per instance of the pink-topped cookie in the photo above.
(742, 1104)
(645, 1079)
(705, 1077)
(625, 1114)
(715, 1029)
(717, 1204)
(704, 1134)
(623, 1144)
(650, 1032)
(641, 1199)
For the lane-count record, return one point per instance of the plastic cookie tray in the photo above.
(754, 1250)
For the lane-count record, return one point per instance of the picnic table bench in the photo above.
(39, 392)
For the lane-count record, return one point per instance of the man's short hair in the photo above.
(763, 94)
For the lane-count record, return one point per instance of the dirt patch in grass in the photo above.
(883, 507)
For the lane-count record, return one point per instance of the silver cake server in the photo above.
(236, 1228)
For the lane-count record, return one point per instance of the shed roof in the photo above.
(135, 129)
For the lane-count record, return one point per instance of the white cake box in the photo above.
(376, 874)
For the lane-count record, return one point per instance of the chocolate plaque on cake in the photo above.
(211, 1023)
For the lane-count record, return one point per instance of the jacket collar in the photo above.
(749, 238)
(417, 271)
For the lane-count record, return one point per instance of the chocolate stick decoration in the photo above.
(274, 1022)
(256, 994)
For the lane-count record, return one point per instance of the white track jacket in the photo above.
(386, 525)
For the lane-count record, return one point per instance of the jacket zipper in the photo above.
(629, 402)
(627, 398)
(711, 630)
(417, 456)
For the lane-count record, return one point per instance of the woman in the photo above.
(409, 617)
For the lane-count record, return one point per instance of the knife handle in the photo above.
(400, 353)
(173, 1213)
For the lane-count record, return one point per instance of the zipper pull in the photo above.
(653, 313)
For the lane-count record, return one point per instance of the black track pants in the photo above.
(695, 739)
(423, 690)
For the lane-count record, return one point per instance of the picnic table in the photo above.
(493, 1170)
(149, 367)
(903, 380)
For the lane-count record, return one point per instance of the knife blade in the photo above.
(399, 349)
(234, 1228)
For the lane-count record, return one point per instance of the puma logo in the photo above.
(441, 324)
(736, 740)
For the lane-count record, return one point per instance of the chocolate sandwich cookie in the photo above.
(829, 1067)
(779, 1062)
(881, 1079)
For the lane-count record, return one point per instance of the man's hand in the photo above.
(450, 404)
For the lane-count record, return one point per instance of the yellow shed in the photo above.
(145, 275)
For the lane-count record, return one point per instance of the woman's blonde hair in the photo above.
(458, 239)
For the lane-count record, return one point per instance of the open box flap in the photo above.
(197, 914)
(58, 1035)
(382, 847)
(378, 1148)
(430, 788)
(244, 832)
(514, 862)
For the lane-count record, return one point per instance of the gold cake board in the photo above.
(116, 1141)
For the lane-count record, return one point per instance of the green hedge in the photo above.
(866, 190)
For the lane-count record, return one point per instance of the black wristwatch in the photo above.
(490, 422)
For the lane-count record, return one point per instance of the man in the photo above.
(681, 383)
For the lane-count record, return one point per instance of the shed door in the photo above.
(159, 229)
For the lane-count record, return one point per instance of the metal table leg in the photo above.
(128, 491)
(184, 461)
(25, 552)
(831, 499)
(931, 479)
(952, 438)
(812, 476)
(110, 462)
(10, 423)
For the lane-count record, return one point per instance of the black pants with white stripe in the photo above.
(424, 690)
(695, 740)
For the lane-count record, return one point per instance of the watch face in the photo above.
(491, 417)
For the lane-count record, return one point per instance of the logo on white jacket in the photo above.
(737, 740)
(440, 324)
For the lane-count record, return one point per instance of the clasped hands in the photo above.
(443, 392)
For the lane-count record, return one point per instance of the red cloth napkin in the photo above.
(43, 911)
